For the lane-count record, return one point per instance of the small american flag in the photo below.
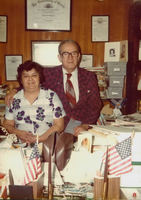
(33, 167)
(119, 158)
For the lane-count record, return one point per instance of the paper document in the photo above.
(71, 125)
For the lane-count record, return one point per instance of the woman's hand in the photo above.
(58, 126)
(27, 137)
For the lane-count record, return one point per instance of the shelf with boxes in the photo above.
(116, 72)
(111, 81)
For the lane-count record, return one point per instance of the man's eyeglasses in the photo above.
(65, 54)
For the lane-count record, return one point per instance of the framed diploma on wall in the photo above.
(45, 53)
(100, 28)
(3, 28)
(48, 15)
(12, 62)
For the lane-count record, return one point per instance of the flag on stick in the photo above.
(33, 167)
(119, 158)
(105, 188)
(50, 184)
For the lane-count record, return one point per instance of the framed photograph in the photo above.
(112, 52)
(48, 15)
(124, 50)
(11, 64)
(116, 51)
(3, 28)
(45, 53)
(87, 61)
(100, 28)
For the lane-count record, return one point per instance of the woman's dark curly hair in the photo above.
(27, 66)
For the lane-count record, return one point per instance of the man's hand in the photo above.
(82, 127)
(79, 129)
(9, 97)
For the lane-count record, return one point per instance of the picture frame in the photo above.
(45, 52)
(3, 28)
(116, 51)
(87, 61)
(100, 28)
(11, 64)
(112, 52)
(48, 15)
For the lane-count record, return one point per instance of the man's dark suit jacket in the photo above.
(87, 109)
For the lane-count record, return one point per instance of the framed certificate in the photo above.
(45, 53)
(100, 28)
(48, 15)
(11, 63)
(3, 28)
(87, 61)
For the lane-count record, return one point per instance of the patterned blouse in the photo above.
(37, 117)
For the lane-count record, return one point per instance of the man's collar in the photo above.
(73, 73)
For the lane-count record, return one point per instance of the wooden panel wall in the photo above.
(19, 40)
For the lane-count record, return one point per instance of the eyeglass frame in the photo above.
(69, 53)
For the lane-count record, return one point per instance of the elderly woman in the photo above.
(34, 112)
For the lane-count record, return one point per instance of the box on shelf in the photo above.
(116, 68)
(116, 81)
(114, 92)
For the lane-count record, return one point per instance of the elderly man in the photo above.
(83, 104)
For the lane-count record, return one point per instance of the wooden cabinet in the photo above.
(134, 64)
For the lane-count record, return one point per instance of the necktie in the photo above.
(70, 93)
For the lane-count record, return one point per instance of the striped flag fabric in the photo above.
(33, 167)
(119, 158)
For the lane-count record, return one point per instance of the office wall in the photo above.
(19, 40)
